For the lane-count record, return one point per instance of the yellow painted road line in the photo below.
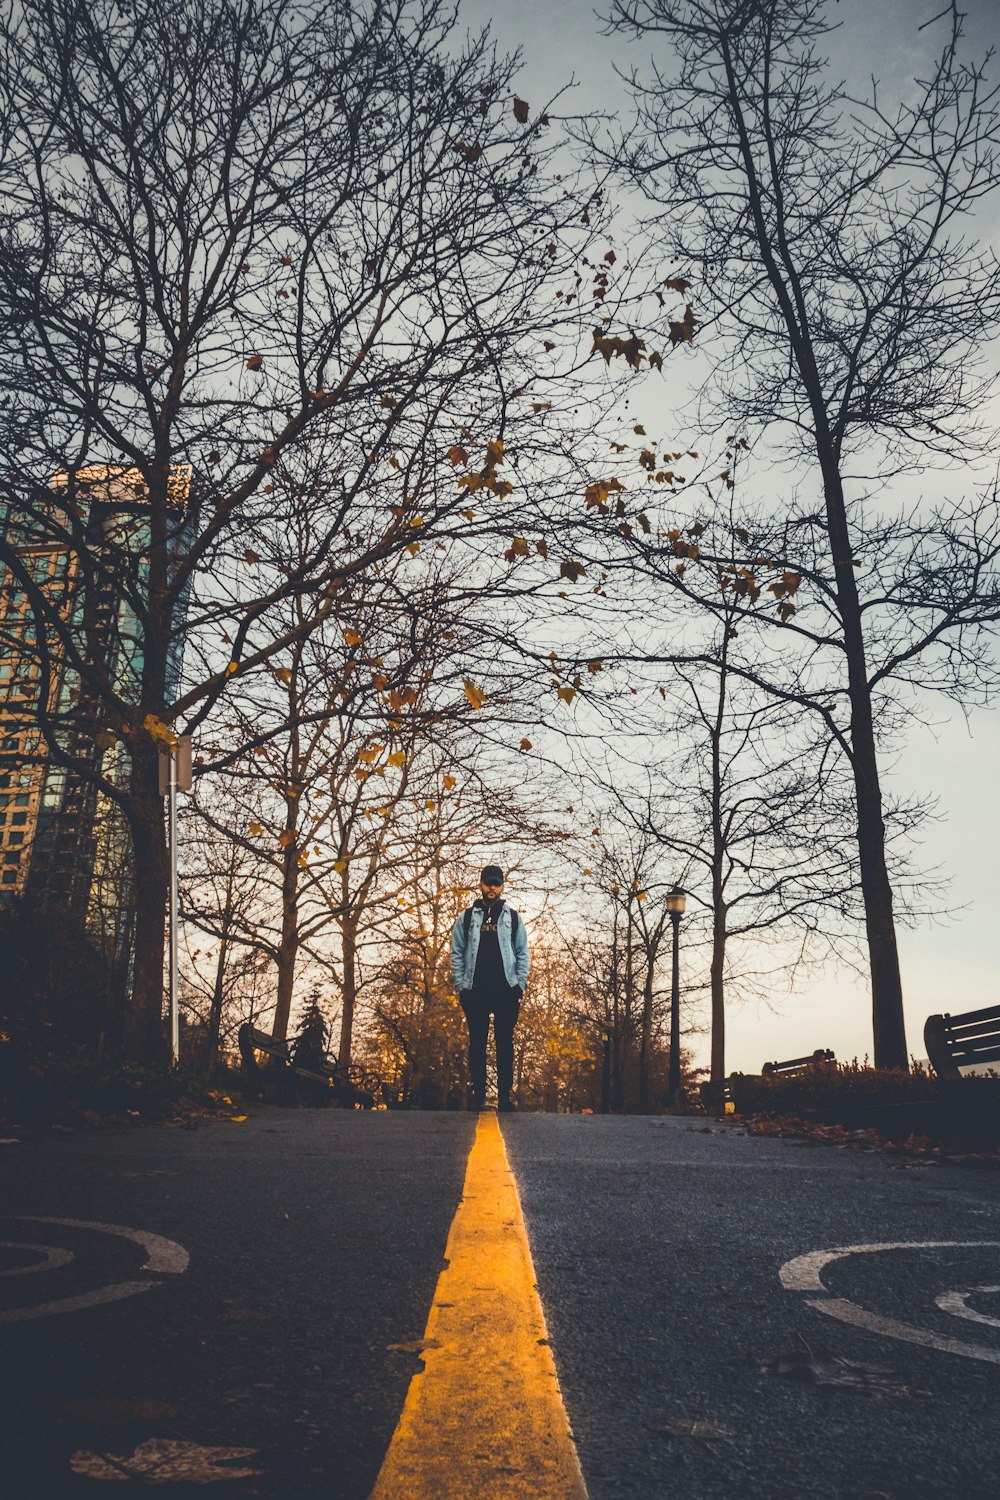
(484, 1419)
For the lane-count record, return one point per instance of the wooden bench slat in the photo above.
(798, 1064)
(959, 1037)
(954, 1042)
(970, 1017)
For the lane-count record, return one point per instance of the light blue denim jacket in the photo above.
(513, 952)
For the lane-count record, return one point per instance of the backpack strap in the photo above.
(467, 922)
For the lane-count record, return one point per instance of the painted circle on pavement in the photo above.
(804, 1274)
(163, 1256)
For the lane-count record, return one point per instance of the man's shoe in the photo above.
(506, 1105)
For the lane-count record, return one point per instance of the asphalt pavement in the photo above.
(248, 1298)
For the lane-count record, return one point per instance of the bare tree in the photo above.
(251, 257)
(839, 290)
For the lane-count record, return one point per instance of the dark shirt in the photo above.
(490, 977)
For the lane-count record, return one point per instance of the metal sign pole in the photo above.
(175, 1035)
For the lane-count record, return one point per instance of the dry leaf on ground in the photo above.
(166, 1461)
(823, 1367)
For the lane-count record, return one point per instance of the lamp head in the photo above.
(675, 901)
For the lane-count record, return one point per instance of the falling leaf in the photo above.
(572, 570)
(398, 758)
(286, 837)
(238, 1119)
(255, 361)
(639, 430)
(471, 153)
(599, 491)
(251, 556)
(610, 345)
(475, 696)
(596, 664)
(518, 548)
(678, 284)
(448, 782)
(352, 637)
(457, 455)
(683, 332)
(157, 730)
(525, 745)
(567, 694)
(521, 108)
(256, 828)
(166, 1460)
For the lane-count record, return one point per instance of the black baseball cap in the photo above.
(492, 875)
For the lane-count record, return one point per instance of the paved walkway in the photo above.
(418, 1306)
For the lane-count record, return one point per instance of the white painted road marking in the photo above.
(956, 1303)
(52, 1257)
(804, 1274)
(163, 1256)
(114, 1293)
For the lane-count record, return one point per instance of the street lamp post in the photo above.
(675, 903)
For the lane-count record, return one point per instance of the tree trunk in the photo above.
(288, 947)
(887, 990)
(646, 1039)
(717, 969)
(144, 1038)
(349, 989)
(218, 992)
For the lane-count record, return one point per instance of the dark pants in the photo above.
(505, 1009)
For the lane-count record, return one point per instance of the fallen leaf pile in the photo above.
(915, 1150)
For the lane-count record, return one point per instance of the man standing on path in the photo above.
(489, 964)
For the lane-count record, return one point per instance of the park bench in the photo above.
(956, 1042)
(353, 1085)
(794, 1067)
(742, 1090)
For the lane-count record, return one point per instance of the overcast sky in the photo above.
(953, 964)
